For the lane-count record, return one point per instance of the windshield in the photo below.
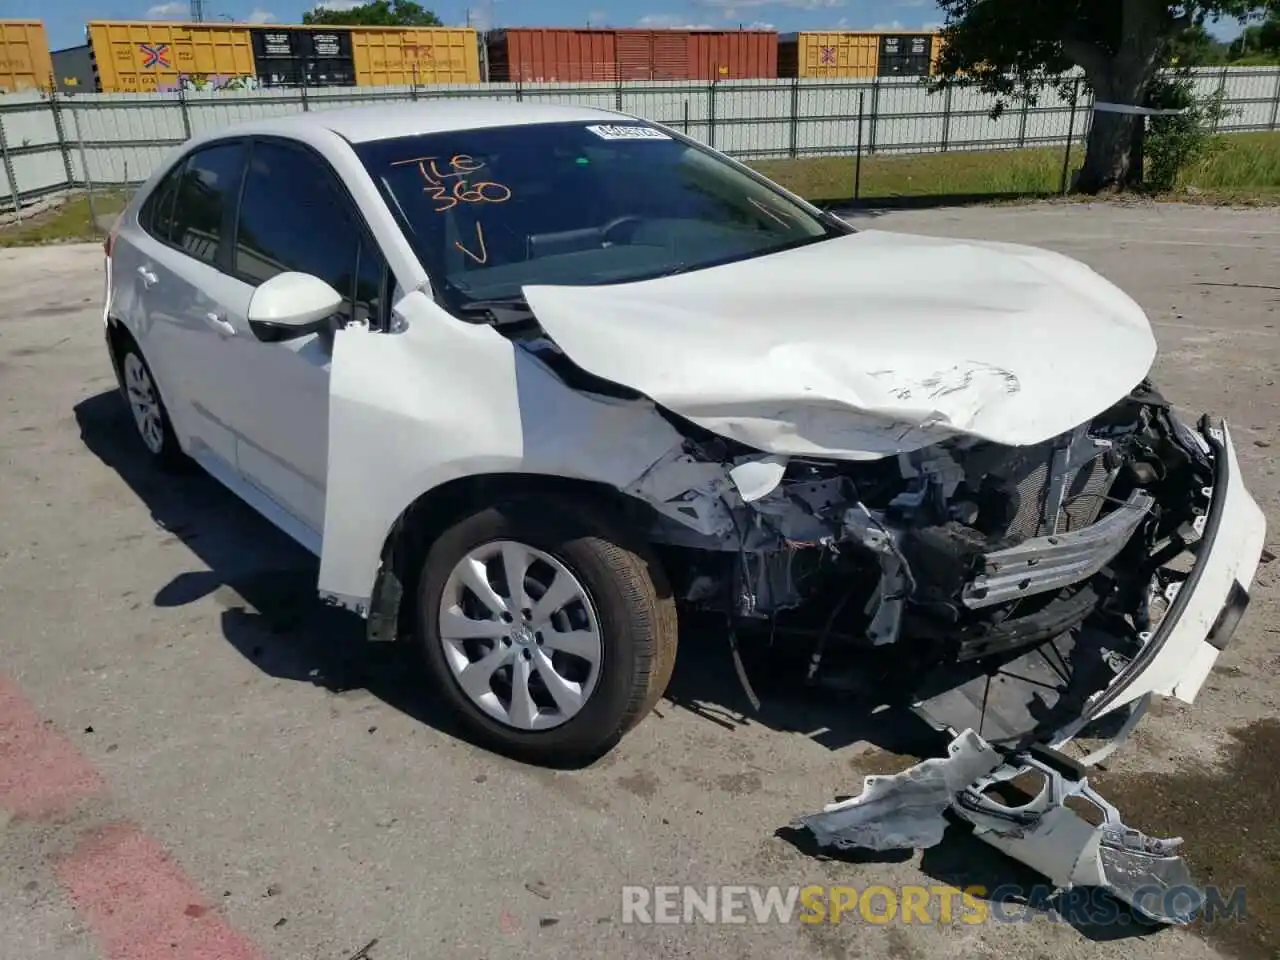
(491, 210)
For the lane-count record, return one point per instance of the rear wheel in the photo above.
(550, 632)
(150, 417)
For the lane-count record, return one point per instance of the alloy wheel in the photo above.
(144, 402)
(520, 635)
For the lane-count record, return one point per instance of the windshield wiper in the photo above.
(499, 310)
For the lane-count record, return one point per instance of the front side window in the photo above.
(295, 217)
(205, 195)
(491, 210)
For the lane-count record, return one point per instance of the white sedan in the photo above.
(527, 379)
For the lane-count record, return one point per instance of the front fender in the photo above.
(439, 399)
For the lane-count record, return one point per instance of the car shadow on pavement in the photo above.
(263, 581)
(707, 684)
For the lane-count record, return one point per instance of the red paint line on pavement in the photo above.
(135, 900)
(41, 771)
(139, 905)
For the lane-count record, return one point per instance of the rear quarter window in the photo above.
(157, 210)
(192, 207)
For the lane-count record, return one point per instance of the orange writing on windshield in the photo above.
(453, 186)
(483, 256)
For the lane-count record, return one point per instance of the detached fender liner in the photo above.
(907, 810)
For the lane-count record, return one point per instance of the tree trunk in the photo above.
(1137, 153)
(1106, 160)
(1114, 139)
(1113, 158)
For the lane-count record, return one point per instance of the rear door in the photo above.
(173, 265)
(295, 215)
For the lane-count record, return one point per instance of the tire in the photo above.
(625, 604)
(147, 410)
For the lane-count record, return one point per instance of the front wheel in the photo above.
(549, 631)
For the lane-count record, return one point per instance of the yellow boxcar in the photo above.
(139, 57)
(399, 55)
(836, 54)
(25, 63)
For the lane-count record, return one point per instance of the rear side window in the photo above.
(156, 215)
(295, 216)
(204, 197)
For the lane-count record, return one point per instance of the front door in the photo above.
(295, 216)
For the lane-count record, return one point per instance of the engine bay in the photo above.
(957, 560)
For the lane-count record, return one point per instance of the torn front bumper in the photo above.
(1206, 607)
(907, 810)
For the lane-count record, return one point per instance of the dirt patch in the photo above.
(642, 783)
(1227, 816)
(882, 763)
(739, 784)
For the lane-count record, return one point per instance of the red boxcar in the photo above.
(733, 55)
(537, 55)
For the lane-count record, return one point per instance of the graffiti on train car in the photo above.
(204, 82)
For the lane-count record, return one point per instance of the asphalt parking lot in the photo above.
(183, 727)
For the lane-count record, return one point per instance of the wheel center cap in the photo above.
(522, 636)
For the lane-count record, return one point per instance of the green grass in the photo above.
(1256, 60)
(989, 173)
(1247, 167)
(1247, 163)
(69, 222)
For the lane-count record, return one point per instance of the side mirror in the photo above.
(291, 305)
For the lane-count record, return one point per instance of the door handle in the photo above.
(149, 279)
(221, 324)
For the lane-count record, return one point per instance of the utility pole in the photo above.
(197, 11)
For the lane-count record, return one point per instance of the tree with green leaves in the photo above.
(1259, 44)
(1197, 47)
(1015, 48)
(378, 13)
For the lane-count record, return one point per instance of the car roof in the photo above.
(441, 115)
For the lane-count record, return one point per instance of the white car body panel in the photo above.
(865, 346)
(441, 400)
(280, 413)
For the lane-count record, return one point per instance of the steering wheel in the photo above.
(617, 222)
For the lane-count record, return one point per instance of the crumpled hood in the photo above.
(866, 345)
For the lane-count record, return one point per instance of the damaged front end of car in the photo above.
(1013, 597)
(927, 521)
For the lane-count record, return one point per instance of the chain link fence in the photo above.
(50, 144)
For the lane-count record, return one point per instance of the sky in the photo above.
(66, 27)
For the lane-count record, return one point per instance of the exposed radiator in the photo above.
(1085, 496)
(1082, 499)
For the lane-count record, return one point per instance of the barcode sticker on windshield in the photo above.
(612, 131)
